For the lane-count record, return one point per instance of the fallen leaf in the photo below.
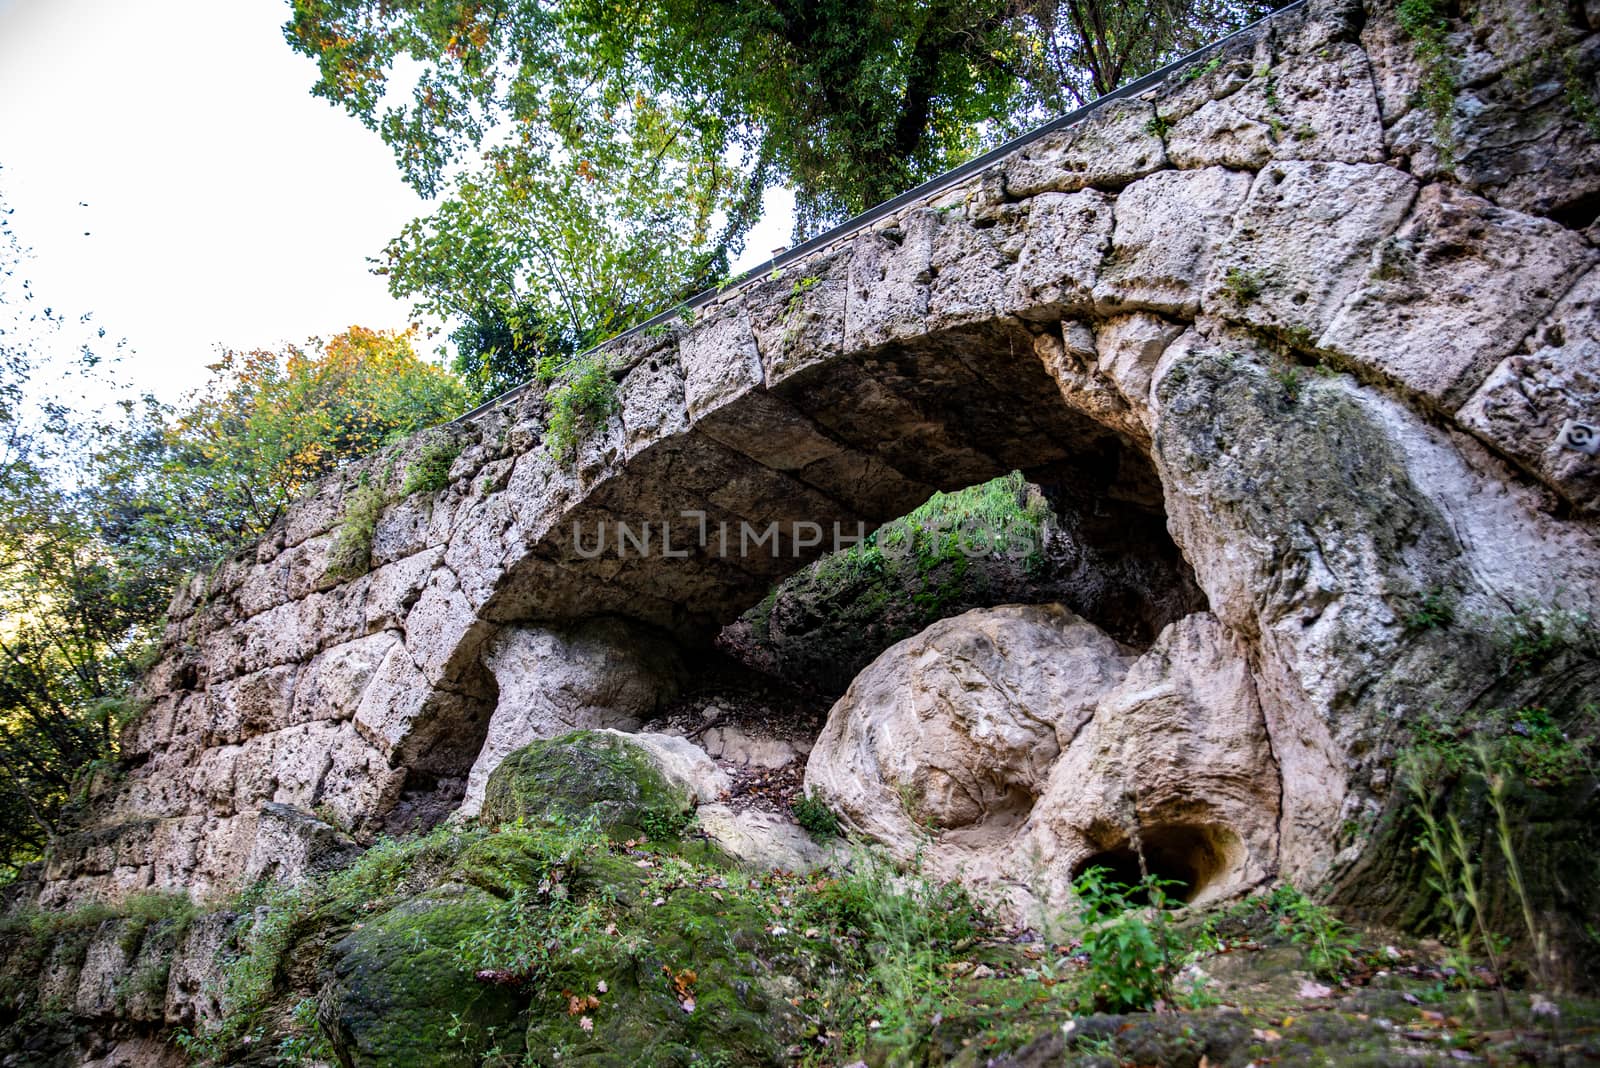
(1265, 1034)
(586, 1023)
(688, 1004)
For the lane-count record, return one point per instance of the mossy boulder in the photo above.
(692, 980)
(400, 994)
(586, 775)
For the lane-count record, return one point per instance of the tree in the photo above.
(1078, 50)
(179, 489)
(599, 159)
(100, 517)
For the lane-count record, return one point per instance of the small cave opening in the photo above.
(1192, 857)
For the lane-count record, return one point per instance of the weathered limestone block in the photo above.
(720, 360)
(972, 266)
(1522, 406)
(1107, 150)
(1454, 292)
(955, 729)
(1073, 361)
(197, 979)
(292, 845)
(798, 319)
(332, 684)
(436, 624)
(1303, 241)
(412, 524)
(605, 673)
(651, 395)
(250, 705)
(105, 964)
(1177, 754)
(890, 272)
(1167, 228)
(393, 699)
(1067, 237)
(1319, 106)
(1128, 349)
(318, 512)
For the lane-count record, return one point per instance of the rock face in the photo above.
(1263, 304)
(956, 729)
(1013, 747)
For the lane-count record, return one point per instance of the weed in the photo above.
(1425, 22)
(1129, 948)
(583, 399)
(1291, 380)
(1495, 775)
(1529, 742)
(1579, 98)
(431, 471)
(1451, 875)
(1329, 946)
(1158, 126)
(1241, 285)
(1436, 611)
(1530, 636)
(815, 817)
(1195, 73)
(350, 555)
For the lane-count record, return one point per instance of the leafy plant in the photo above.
(1329, 946)
(1291, 380)
(1436, 610)
(815, 816)
(1426, 23)
(431, 471)
(350, 554)
(1242, 285)
(1158, 126)
(1130, 961)
(583, 398)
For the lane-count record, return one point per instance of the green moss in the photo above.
(584, 776)
(400, 995)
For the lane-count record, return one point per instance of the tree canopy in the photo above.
(598, 161)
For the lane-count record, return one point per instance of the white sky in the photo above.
(225, 204)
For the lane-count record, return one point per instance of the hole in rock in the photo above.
(1192, 857)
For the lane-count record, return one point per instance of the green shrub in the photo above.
(582, 399)
(1328, 944)
(1242, 285)
(1129, 948)
(815, 817)
(431, 471)
(350, 555)
(1425, 22)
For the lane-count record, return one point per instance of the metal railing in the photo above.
(932, 187)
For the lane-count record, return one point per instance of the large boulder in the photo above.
(953, 732)
(626, 784)
(399, 994)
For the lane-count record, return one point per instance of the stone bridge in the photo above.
(1272, 304)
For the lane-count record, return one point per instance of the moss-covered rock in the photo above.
(400, 994)
(581, 776)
